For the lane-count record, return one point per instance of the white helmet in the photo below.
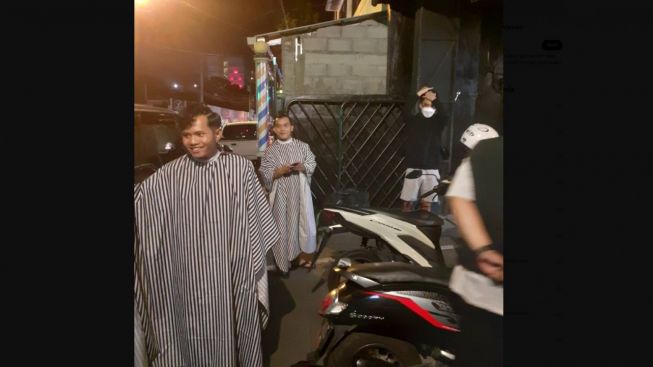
(476, 133)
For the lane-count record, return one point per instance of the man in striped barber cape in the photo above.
(203, 227)
(286, 169)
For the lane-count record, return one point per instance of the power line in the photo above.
(285, 19)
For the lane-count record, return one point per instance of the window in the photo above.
(162, 128)
(239, 132)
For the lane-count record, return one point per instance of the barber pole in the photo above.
(262, 102)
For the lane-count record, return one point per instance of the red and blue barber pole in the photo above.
(262, 104)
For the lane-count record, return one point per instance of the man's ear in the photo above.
(218, 134)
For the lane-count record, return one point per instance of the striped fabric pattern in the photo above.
(285, 207)
(202, 232)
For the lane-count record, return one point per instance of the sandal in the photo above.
(305, 264)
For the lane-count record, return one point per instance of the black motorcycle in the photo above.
(388, 314)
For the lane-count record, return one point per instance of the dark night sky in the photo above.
(210, 26)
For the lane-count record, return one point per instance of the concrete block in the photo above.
(374, 86)
(349, 59)
(366, 70)
(339, 45)
(330, 85)
(315, 70)
(365, 45)
(374, 59)
(382, 46)
(330, 32)
(378, 31)
(354, 31)
(314, 44)
(352, 86)
(338, 69)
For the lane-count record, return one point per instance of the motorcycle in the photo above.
(409, 237)
(388, 314)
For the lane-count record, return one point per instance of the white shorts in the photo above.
(414, 187)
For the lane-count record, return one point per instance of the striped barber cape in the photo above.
(202, 230)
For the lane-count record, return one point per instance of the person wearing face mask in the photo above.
(422, 150)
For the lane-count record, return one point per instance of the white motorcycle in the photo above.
(410, 237)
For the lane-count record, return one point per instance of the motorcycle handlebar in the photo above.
(440, 189)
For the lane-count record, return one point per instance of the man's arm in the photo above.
(309, 164)
(281, 171)
(269, 171)
(471, 227)
(469, 222)
(461, 199)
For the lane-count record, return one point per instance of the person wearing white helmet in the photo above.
(475, 197)
(476, 133)
(462, 184)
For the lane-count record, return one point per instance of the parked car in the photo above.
(157, 139)
(240, 137)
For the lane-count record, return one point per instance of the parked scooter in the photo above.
(409, 237)
(388, 314)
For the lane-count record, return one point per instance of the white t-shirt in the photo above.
(462, 184)
(476, 289)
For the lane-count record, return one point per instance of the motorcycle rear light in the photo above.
(327, 217)
(332, 298)
(336, 308)
(328, 300)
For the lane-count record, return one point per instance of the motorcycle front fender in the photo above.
(330, 336)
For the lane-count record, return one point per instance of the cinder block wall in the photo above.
(350, 59)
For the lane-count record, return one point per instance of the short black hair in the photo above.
(193, 111)
(281, 116)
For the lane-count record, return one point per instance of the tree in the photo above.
(300, 13)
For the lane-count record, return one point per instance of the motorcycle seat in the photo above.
(419, 218)
(398, 272)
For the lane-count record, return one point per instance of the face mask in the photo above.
(428, 111)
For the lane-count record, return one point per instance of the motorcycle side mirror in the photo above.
(414, 174)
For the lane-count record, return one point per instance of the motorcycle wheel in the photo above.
(359, 256)
(382, 349)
